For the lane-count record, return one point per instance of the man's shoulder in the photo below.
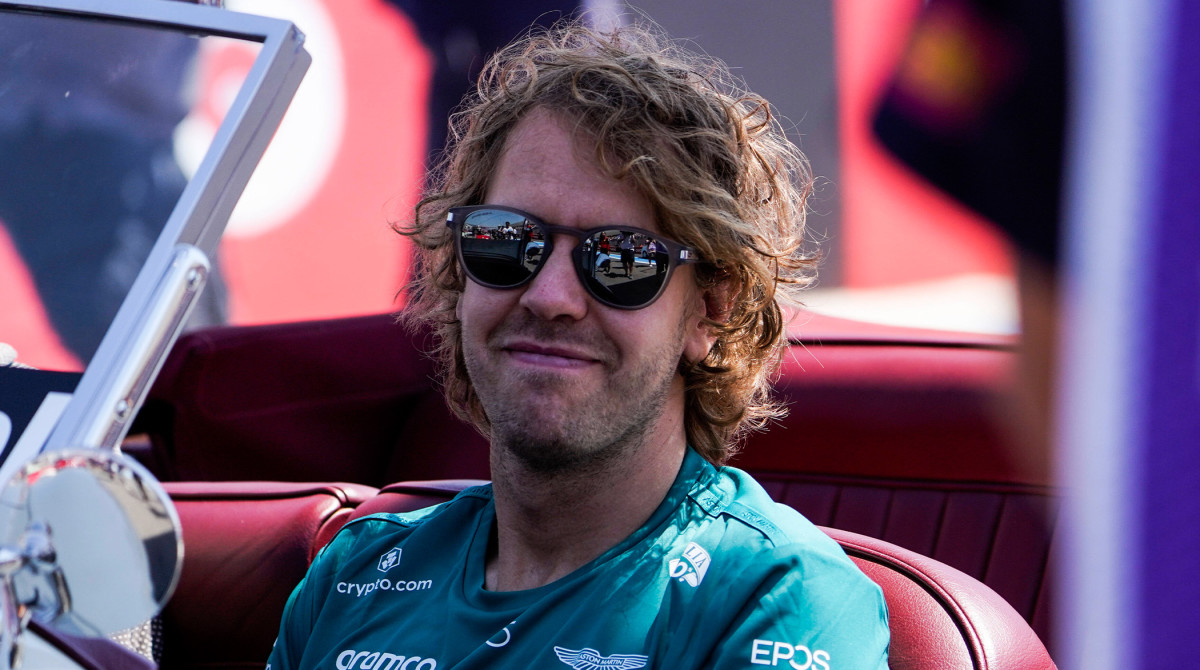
(774, 573)
(750, 521)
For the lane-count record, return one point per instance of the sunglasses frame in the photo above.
(677, 254)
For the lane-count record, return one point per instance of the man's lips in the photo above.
(551, 355)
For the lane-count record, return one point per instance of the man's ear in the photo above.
(718, 300)
(713, 303)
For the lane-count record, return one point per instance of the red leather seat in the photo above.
(900, 436)
(247, 544)
(893, 433)
(941, 617)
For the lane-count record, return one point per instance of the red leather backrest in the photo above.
(246, 546)
(903, 440)
(339, 400)
(940, 617)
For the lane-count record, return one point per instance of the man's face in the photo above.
(567, 382)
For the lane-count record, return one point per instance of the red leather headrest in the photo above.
(410, 496)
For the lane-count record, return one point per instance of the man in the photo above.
(626, 247)
(611, 537)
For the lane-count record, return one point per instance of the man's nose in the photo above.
(556, 292)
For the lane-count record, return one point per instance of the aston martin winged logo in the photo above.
(590, 659)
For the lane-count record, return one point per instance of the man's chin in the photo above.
(551, 452)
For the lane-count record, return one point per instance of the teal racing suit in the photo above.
(718, 577)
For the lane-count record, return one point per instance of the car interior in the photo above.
(270, 438)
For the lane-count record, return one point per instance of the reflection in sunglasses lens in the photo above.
(499, 247)
(618, 267)
(624, 267)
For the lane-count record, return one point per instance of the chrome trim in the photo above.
(110, 414)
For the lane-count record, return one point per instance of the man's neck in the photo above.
(549, 525)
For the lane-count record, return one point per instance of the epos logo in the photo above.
(799, 656)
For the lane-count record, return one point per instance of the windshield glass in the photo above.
(92, 115)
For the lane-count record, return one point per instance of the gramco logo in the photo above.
(378, 660)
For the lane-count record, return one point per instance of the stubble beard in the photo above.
(591, 433)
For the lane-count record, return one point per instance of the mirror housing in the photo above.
(90, 544)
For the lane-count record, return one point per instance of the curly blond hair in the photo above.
(710, 157)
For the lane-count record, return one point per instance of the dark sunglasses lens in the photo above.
(500, 248)
(623, 268)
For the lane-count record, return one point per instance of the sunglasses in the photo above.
(622, 267)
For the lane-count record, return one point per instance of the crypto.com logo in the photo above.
(389, 560)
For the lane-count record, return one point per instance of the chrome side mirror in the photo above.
(90, 544)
